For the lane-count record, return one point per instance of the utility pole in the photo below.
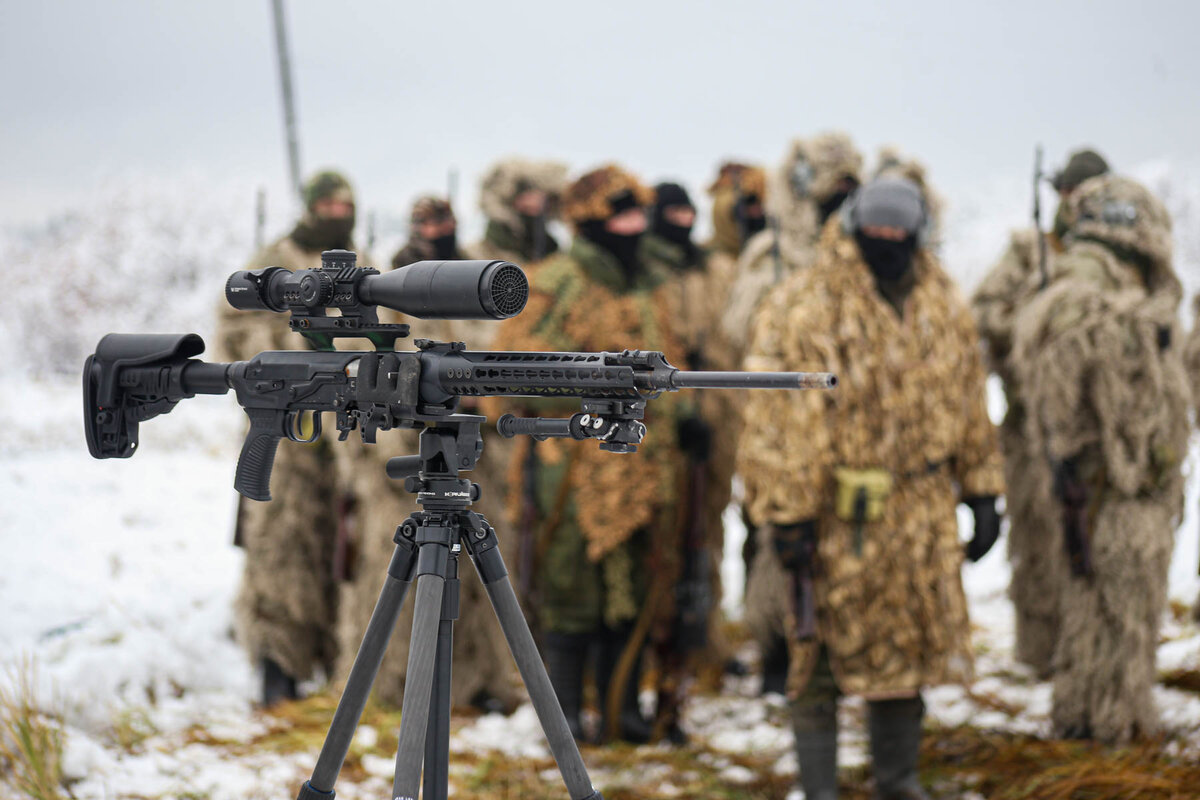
(260, 217)
(289, 103)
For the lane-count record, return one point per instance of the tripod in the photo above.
(428, 545)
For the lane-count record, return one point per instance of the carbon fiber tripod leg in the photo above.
(485, 554)
(418, 686)
(362, 675)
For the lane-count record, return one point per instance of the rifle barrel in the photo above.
(754, 380)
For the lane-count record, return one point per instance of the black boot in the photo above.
(895, 728)
(631, 725)
(815, 726)
(775, 666)
(277, 685)
(565, 654)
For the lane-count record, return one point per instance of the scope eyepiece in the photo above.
(250, 289)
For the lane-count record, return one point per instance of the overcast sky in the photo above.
(398, 92)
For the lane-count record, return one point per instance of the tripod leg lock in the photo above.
(481, 542)
(307, 792)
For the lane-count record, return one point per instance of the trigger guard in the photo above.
(293, 435)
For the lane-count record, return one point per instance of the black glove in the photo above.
(987, 526)
(695, 438)
(796, 544)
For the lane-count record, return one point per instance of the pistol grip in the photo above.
(253, 478)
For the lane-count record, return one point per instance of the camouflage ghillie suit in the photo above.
(605, 524)
(483, 668)
(286, 605)
(524, 240)
(1034, 544)
(807, 186)
(1034, 547)
(805, 189)
(1098, 355)
(858, 487)
(699, 283)
(511, 235)
(910, 400)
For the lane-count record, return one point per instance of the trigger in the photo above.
(303, 427)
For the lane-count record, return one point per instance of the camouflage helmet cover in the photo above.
(815, 167)
(1122, 213)
(430, 208)
(327, 184)
(589, 196)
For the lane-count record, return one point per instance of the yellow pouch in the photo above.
(861, 493)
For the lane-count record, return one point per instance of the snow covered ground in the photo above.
(118, 576)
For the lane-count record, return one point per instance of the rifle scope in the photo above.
(425, 289)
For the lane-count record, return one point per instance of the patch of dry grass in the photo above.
(31, 740)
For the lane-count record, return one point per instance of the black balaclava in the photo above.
(535, 236)
(750, 225)
(888, 260)
(835, 200)
(445, 248)
(622, 247)
(670, 194)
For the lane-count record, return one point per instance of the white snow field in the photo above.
(118, 576)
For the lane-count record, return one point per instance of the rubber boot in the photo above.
(565, 654)
(815, 726)
(895, 729)
(631, 725)
(775, 666)
(277, 685)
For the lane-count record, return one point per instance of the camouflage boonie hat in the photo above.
(1121, 212)
(590, 196)
(751, 180)
(1082, 165)
(818, 165)
(327, 184)
(430, 208)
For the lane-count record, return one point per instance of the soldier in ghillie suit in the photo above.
(483, 674)
(858, 486)
(1034, 548)
(605, 524)
(709, 424)
(520, 198)
(286, 606)
(814, 178)
(1098, 355)
(432, 233)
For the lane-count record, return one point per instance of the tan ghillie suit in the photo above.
(1098, 355)
(808, 175)
(286, 605)
(1035, 547)
(891, 611)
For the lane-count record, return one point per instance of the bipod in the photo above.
(428, 545)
